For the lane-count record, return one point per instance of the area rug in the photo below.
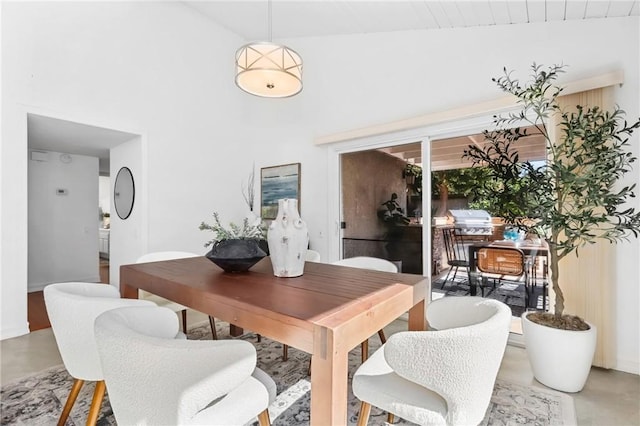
(38, 399)
(512, 294)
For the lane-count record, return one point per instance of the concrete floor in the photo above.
(610, 398)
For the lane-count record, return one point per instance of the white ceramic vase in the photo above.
(560, 359)
(288, 239)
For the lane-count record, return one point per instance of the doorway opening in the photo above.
(463, 221)
(382, 205)
(69, 194)
(443, 145)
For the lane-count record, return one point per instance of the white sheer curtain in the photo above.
(589, 279)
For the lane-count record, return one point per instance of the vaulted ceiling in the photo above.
(309, 18)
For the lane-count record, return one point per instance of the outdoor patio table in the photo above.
(528, 247)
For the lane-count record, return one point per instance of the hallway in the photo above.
(36, 310)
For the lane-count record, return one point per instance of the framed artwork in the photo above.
(275, 183)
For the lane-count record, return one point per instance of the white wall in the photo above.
(161, 70)
(63, 228)
(104, 193)
(158, 69)
(366, 80)
(128, 236)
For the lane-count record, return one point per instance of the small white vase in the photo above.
(560, 359)
(288, 239)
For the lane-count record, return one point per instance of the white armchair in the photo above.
(72, 308)
(440, 377)
(366, 262)
(312, 256)
(160, 301)
(375, 264)
(154, 379)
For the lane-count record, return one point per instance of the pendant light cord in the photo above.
(270, 18)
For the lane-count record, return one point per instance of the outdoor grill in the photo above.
(471, 222)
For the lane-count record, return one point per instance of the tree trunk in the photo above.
(444, 197)
(555, 280)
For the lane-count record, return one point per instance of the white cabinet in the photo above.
(103, 243)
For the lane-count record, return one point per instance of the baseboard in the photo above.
(516, 340)
(40, 286)
(36, 287)
(628, 366)
(8, 333)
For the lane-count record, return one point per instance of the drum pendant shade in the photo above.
(268, 70)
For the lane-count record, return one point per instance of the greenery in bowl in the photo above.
(246, 231)
(576, 197)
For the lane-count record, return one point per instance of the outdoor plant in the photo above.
(393, 214)
(575, 198)
(413, 174)
(412, 170)
(459, 183)
(246, 231)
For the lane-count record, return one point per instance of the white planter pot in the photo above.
(288, 240)
(560, 359)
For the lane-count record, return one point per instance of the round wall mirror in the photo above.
(124, 192)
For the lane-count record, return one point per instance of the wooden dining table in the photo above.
(326, 312)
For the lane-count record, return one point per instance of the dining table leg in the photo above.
(418, 317)
(329, 380)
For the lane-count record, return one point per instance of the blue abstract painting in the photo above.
(276, 183)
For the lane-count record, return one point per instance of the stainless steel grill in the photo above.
(472, 222)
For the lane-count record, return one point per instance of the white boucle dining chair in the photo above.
(155, 380)
(364, 262)
(161, 301)
(444, 376)
(375, 264)
(72, 308)
(312, 256)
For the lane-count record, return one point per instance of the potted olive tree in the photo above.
(573, 199)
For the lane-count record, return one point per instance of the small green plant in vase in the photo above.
(246, 231)
(234, 248)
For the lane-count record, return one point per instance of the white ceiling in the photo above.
(51, 134)
(310, 18)
(306, 18)
(446, 154)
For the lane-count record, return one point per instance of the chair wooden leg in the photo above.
(71, 399)
(364, 346)
(258, 338)
(184, 321)
(383, 339)
(263, 418)
(212, 323)
(390, 418)
(309, 368)
(363, 417)
(96, 403)
(285, 352)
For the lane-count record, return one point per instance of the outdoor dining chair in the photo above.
(503, 263)
(456, 251)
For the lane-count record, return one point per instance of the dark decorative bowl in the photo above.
(235, 255)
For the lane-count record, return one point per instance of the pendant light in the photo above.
(267, 69)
